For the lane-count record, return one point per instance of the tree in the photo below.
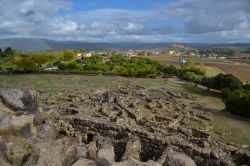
(237, 101)
(246, 86)
(117, 60)
(29, 64)
(142, 53)
(73, 66)
(1, 53)
(40, 59)
(18, 61)
(25, 63)
(68, 55)
(8, 52)
(229, 81)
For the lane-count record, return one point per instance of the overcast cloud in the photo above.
(178, 21)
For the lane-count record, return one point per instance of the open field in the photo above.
(240, 70)
(237, 128)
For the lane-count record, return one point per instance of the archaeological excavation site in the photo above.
(125, 126)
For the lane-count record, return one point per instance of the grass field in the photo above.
(237, 127)
(240, 70)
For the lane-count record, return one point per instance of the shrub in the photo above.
(246, 86)
(237, 101)
(169, 69)
(68, 55)
(229, 81)
(207, 81)
(190, 76)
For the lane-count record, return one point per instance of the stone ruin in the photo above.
(156, 121)
(128, 126)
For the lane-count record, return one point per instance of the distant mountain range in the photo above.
(45, 44)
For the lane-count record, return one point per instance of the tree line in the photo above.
(235, 94)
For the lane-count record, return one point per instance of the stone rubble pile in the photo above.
(129, 126)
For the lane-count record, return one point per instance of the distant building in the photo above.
(79, 56)
(86, 55)
(171, 52)
(222, 57)
(193, 54)
(183, 61)
(50, 68)
(131, 54)
(83, 55)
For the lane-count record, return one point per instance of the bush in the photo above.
(246, 86)
(190, 76)
(229, 81)
(237, 101)
(135, 67)
(68, 55)
(207, 81)
(169, 69)
(25, 63)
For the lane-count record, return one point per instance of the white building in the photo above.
(171, 52)
(83, 55)
(87, 55)
(50, 68)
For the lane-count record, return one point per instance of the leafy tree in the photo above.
(246, 86)
(8, 52)
(25, 63)
(229, 81)
(40, 59)
(1, 53)
(190, 76)
(142, 53)
(73, 66)
(207, 81)
(237, 101)
(68, 55)
(169, 69)
(18, 61)
(117, 60)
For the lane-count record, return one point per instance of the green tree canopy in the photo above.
(229, 81)
(68, 55)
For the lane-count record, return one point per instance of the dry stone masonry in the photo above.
(129, 126)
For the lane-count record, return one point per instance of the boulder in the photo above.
(70, 155)
(16, 125)
(106, 154)
(84, 162)
(133, 149)
(20, 100)
(178, 159)
(32, 160)
(3, 148)
(3, 162)
(17, 152)
(82, 151)
(136, 163)
(92, 150)
(39, 119)
(62, 152)
(47, 131)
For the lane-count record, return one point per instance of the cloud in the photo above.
(211, 15)
(180, 21)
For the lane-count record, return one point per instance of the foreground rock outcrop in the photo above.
(20, 100)
(129, 126)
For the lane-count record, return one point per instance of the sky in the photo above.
(149, 21)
